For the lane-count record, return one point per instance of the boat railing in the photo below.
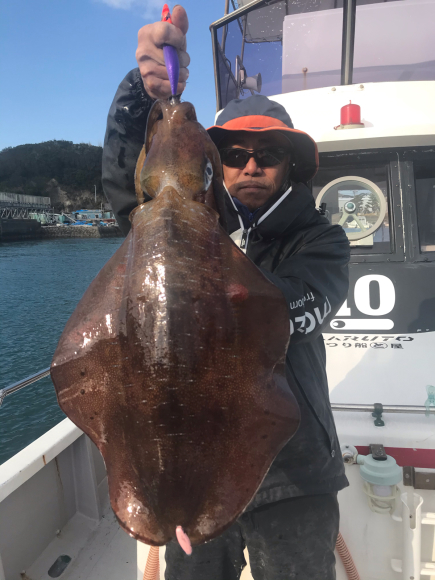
(23, 383)
(411, 409)
(358, 408)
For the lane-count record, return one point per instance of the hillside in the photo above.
(65, 171)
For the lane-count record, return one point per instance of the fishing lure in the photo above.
(171, 57)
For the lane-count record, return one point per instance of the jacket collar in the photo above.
(286, 211)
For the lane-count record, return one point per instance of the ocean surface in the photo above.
(41, 283)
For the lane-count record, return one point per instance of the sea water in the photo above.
(41, 283)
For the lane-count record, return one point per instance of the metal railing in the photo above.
(411, 409)
(23, 383)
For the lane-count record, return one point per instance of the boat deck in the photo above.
(54, 503)
(55, 492)
(102, 552)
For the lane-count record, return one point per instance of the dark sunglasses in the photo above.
(264, 157)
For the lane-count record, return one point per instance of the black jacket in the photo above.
(302, 254)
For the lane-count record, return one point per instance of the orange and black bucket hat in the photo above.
(260, 114)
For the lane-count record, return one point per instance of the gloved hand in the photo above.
(149, 53)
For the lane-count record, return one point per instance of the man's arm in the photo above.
(128, 114)
(314, 279)
(123, 142)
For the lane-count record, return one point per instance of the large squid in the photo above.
(173, 361)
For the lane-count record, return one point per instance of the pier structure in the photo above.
(19, 206)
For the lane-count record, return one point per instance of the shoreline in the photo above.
(27, 229)
(80, 232)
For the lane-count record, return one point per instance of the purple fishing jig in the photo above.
(171, 56)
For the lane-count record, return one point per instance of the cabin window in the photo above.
(280, 47)
(394, 41)
(293, 45)
(424, 173)
(358, 200)
(250, 53)
(312, 39)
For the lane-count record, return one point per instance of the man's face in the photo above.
(253, 185)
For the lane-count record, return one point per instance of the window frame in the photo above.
(348, 39)
(413, 241)
(394, 202)
(402, 199)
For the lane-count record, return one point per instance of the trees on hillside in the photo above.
(29, 168)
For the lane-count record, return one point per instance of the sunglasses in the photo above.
(264, 157)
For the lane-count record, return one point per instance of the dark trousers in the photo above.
(289, 539)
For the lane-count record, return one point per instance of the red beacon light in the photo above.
(350, 117)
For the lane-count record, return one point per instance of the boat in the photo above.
(359, 77)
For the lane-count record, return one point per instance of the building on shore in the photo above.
(92, 214)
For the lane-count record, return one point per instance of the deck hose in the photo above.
(152, 568)
(346, 558)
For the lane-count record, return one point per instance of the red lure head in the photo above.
(166, 15)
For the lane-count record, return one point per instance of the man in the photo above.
(290, 527)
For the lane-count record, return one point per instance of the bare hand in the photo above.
(149, 53)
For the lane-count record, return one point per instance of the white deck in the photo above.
(103, 552)
(54, 502)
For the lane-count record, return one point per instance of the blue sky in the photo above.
(62, 60)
